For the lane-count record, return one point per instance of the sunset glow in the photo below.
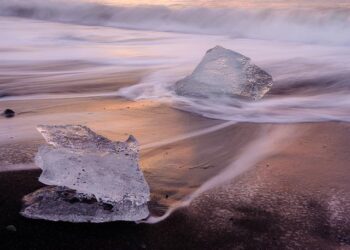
(174, 124)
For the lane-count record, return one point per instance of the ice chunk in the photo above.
(63, 204)
(80, 160)
(89, 163)
(225, 72)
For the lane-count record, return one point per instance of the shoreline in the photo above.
(297, 197)
(258, 175)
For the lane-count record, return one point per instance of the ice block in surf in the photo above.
(92, 178)
(225, 72)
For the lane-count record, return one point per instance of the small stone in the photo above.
(9, 113)
(11, 228)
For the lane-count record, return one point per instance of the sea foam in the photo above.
(317, 25)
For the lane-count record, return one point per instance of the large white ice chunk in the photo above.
(88, 165)
(225, 72)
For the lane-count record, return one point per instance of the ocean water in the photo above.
(46, 46)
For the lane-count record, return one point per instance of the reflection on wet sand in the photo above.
(173, 169)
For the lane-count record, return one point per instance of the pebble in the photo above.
(8, 113)
(11, 228)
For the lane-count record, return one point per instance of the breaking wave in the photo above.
(326, 25)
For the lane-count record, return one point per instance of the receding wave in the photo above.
(329, 26)
(313, 104)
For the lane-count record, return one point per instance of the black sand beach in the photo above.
(297, 199)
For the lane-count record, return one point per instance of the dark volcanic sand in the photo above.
(297, 199)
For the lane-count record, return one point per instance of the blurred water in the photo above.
(300, 21)
(78, 47)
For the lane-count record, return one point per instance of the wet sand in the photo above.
(173, 169)
(297, 199)
(61, 77)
